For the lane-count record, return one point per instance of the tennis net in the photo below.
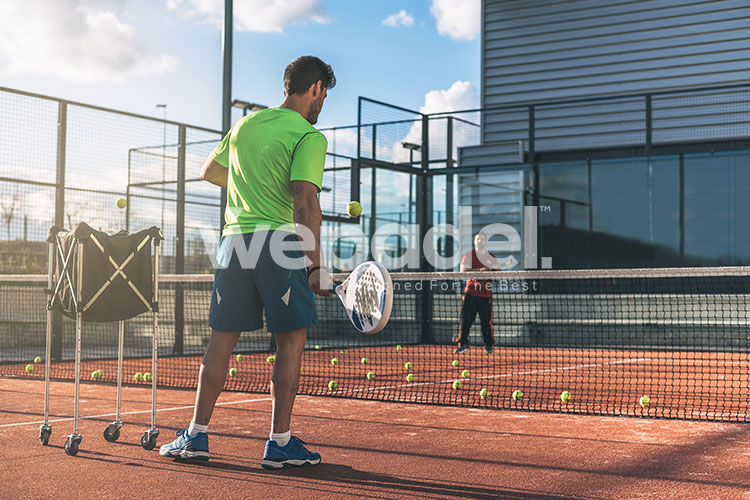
(607, 337)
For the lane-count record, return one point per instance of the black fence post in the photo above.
(62, 129)
(373, 193)
(424, 219)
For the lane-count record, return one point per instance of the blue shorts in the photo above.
(243, 288)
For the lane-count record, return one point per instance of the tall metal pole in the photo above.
(163, 164)
(226, 100)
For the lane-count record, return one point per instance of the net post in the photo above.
(179, 293)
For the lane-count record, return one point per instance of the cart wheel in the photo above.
(148, 439)
(71, 445)
(112, 433)
(44, 433)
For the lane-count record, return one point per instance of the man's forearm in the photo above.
(217, 178)
(309, 216)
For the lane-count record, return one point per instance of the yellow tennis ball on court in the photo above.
(353, 208)
(565, 396)
(408, 365)
(138, 377)
(484, 393)
(333, 385)
(29, 368)
(232, 372)
(645, 401)
(455, 363)
(121, 203)
(457, 384)
(37, 360)
(271, 359)
(147, 377)
(398, 347)
(239, 357)
(465, 374)
(410, 377)
(365, 361)
(335, 361)
(517, 395)
(370, 375)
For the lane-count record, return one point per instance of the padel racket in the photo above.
(367, 295)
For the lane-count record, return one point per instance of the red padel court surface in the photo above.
(370, 450)
(696, 385)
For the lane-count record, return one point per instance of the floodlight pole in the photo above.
(226, 101)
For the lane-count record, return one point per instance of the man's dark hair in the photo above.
(480, 232)
(306, 71)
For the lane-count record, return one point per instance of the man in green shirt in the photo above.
(271, 163)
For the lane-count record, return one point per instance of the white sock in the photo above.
(194, 428)
(281, 438)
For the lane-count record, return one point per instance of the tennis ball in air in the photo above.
(97, 374)
(353, 208)
(398, 347)
(370, 375)
(333, 385)
(465, 374)
(147, 377)
(37, 360)
(335, 361)
(455, 363)
(484, 393)
(121, 203)
(565, 396)
(29, 368)
(517, 395)
(410, 377)
(408, 365)
(457, 384)
(138, 377)
(342, 351)
(232, 372)
(317, 348)
(271, 359)
(644, 401)
(365, 361)
(239, 357)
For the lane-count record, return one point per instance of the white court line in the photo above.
(506, 375)
(135, 412)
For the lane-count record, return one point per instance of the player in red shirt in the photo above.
(477, 295)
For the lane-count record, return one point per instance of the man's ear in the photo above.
(317, 88)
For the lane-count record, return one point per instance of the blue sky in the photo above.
(133, 54)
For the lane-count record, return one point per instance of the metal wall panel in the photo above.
(541, 51)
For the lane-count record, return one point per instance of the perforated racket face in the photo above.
(368, 297)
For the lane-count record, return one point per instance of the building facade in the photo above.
(626, 123)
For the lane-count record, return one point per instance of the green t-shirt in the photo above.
(265, 152)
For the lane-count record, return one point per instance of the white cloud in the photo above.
(79, 40)
(399, 19)
(457, 19)
(262, 16)
(460, 96)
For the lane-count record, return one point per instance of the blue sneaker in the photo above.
(186, 447)
(294, 454)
